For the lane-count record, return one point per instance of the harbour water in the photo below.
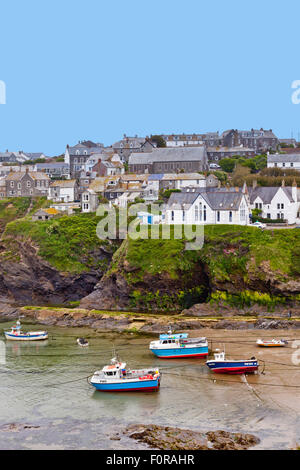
(47, 403)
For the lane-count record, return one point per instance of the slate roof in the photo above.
(278, 158)
(266, 193)
(44, 166)
(18, 175)
(169, 155)
(217, 199)
(64, 183)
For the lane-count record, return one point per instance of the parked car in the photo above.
(259, 225)
(214, 166)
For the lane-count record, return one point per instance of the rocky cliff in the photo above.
(237, 266)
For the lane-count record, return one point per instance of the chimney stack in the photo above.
(294, 191)
(254, 184)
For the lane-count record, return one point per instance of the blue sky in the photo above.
(97, 69)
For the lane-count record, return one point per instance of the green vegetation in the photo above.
(246, 298)
(68, 243)
(165, 194)
(159, 140)
(256, 163)
(162, 274)
(17, 207)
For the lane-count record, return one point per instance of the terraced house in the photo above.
(28, 183)
(77, 156)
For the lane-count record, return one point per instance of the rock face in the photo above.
(170, 438)
(111, 293)
(31, 280)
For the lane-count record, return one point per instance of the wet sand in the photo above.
(278, 380)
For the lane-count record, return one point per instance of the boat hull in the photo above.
(181, 352)
(243, 367)
(30, 337)
(134, 386)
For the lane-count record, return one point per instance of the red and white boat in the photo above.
(277, 343)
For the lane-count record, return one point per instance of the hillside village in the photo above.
(207, 178)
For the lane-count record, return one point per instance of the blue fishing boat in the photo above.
(221, 365)
(171, 346)
(116, 378)
(16, 334)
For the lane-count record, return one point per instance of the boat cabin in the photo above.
(174, 337)
(219, 356)
(114, 369)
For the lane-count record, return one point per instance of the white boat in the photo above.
(82, 342)
(271, 343)
(170, 346)
(117, 378)
(16, 334)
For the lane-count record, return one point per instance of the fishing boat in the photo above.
(170, 346)
(221, 365)
(279, 343)
(117, 378)
(16, 334)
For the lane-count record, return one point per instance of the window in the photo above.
(204, 213)
(268, 215)
(282, 206)
(230, 216)
(278, 206)
(283, 164)
(172, 215)
(183, 216)
(28, 184)
(292, 164)
(242, 212)
(218, 216)
(12, 184)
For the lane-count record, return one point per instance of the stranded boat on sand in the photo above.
(170, 346)
(16, 334)
(279, 343)
(221, 365)
(116, 378)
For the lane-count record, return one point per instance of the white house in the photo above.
(63, 191)
(208, 206)
(287, 161)
(276, 202)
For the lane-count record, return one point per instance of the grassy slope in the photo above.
(66, 242)
(281, 248)
(231, 254)
(16, 207)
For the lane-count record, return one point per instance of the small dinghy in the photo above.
(171, 346)
(221, 365)
(16, 334)
(116, 378)
(82, 342)
(279, 343)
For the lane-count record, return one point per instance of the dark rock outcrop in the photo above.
(32, 280)
(170, 438)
